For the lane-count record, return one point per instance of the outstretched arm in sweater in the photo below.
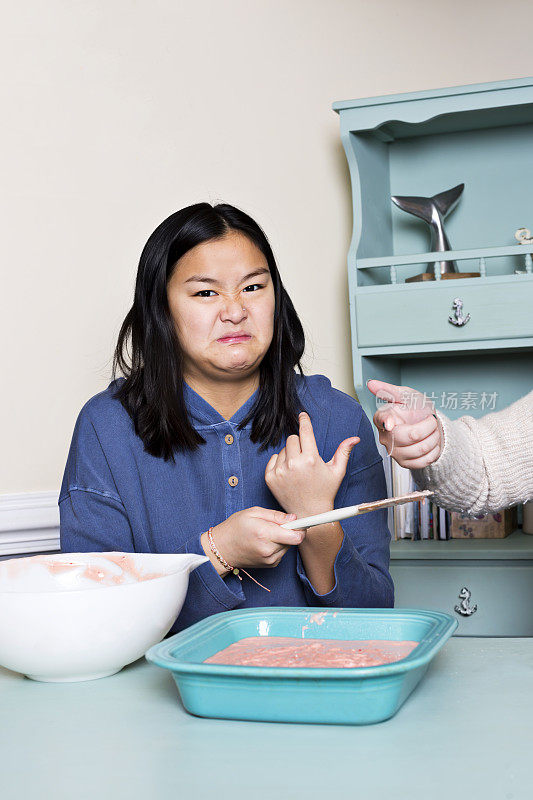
(476, 466)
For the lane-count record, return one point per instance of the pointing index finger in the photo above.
(386, 391)
(307, 436)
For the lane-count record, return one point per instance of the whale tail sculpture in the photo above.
(433, 210)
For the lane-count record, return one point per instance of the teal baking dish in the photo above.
(351, 696)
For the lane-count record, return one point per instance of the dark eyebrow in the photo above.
(206, 279)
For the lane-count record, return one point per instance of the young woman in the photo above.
(200, 448)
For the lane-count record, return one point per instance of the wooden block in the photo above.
(448, 276)
(451, 276)
(491, 526)
(424, 276)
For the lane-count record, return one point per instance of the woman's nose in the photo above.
(233, 307)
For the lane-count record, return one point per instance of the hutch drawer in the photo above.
(501, 590)
(393, 315)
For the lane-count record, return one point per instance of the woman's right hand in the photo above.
(252, 538)
(407, 425)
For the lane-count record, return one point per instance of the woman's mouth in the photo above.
(232, 339)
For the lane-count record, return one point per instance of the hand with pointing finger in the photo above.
(299, 479)
(407, 425)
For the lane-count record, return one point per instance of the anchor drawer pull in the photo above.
(464, 608)
(457, 318)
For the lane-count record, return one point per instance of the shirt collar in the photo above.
(202, 413)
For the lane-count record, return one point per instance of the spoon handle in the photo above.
(353, 511)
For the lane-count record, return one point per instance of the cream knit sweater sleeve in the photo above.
(486, 464)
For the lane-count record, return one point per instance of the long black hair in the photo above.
(152, 392)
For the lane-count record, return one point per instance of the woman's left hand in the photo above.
(302, 483)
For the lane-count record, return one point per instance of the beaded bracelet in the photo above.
(234, 570)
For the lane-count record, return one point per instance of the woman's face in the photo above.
(219, 289)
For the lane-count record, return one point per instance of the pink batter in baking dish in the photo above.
(285, 651)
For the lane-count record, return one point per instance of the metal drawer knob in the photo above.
(457, 318)
(464, 608)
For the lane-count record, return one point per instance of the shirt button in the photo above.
(233, 481)
(228, 439)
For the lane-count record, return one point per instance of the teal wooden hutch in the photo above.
(422, 143)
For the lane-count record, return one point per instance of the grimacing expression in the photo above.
(218, 289)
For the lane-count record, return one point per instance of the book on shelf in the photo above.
(444, 523)
(424, 520)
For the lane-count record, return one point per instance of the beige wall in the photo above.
(116, 113)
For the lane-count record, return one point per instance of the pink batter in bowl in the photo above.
(79, 616)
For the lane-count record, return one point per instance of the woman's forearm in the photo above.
(318, 552)
(458, 477)
(486, 464)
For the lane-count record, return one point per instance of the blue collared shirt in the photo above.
(116, 496)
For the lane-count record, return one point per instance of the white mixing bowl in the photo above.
(79, 616)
